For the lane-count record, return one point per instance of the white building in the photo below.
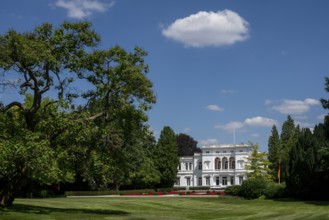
(218, 166)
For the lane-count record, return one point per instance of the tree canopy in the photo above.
(83, 114)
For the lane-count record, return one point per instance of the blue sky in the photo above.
(217, 66)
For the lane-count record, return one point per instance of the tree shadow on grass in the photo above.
(42, 210)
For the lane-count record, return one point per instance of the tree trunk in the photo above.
(10, 189)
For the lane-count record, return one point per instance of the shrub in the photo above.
(164, 189)
(253, 188)
(274, 191)
(233, 190)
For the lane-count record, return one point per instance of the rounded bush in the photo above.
(253, 188)
(232, 190)
(274, 191)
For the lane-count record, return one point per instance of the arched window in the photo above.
(218, 164)
(225, 163)
(232, 163)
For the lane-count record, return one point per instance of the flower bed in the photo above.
(175, 193)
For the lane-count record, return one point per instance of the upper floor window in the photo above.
(200, 165)
(190, 166)
(207, 152)
(224, 151)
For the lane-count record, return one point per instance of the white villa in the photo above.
(218, 166)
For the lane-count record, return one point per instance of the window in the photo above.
(232, 163)
(200, 181)
(188, 181)
(178, 181)
(208, 181)
(186, 166)
(224, 181)
(225, 163)
(240, 150)
(200, 165)
(240, 180)
(217, 180)
(190, 166)
(224, 151)
(232, 180)
(217, 152)
(218, 164)
(207, 152)
(232, 151)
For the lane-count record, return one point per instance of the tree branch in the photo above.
(10, 105)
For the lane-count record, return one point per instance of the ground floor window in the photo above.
(178, 181)
(208, 181)
(188, 181)
(217, 180)
(240, 180)
(200, 181)
(232, 180)
(224, 181)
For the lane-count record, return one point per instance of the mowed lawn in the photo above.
(163, 208)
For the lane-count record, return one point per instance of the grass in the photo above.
(162, 208)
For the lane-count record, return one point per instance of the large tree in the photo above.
(54, 62)
(166, 158)
(288, 137)
(274, 150)
(187, 146)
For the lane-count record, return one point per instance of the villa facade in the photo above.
(218, 166)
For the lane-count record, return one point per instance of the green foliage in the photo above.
(307, 177)
(274, 151)
(166, 158)
(187, 146)
(233, 190)
(258, 164)
(105, 143)
(253, 188)
(275, 191)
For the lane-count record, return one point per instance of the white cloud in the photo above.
(210, 141)
(255, 121)
(214, 108)
(186, 130)
(231, 126)
(82, 8)
(255, 135)
(227, 91)
(260, 121)
(208, 29)
(295, 106)
(304, 124)
(321, 117)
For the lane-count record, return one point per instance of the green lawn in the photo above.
(163, 208)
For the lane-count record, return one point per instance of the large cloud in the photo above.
(260, 122)
(295, 107)
(255, 121)
(208, 29)
(230, 127)
(82, 8)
